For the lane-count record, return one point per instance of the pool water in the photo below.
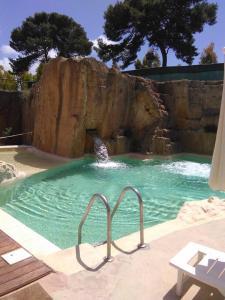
(53, 202)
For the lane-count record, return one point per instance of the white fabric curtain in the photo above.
(217, 172)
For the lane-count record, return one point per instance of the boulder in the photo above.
(7, 171)
(195, 211)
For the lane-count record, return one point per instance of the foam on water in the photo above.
(188, 168)
(109, 165)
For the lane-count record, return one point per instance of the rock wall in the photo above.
(78, 96)
(193, 108)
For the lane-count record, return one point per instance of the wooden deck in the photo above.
(21, 273)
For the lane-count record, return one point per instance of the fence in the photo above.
(195, 72)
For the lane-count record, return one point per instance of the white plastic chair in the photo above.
(202, 263)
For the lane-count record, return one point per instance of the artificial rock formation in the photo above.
(193, 108)
(77, 96)
(195, 211)
(7, 171)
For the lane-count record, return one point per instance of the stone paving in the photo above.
(145, 274)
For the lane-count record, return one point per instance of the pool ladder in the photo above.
(110, 217)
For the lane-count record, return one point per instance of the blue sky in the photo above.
(89, 13)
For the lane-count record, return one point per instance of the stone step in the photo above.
(167, 133)
(164, 145)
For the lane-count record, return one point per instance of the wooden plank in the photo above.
(8, 268)
(21, 273)
(8, 248)
(23, 280)
(15, 273)
(6, 242)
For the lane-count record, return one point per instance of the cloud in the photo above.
(33, 68)
(5, 63)
(52, 53)
(7, 50)
(104, 39)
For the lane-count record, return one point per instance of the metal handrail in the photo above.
(142, 244)
(13, 135)
(109, 233)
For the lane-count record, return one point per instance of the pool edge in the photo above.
(35, 243)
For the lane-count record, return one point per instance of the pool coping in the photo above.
(137, 155)
(39, 246)
(35, 243)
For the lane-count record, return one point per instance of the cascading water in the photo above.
(100, 149)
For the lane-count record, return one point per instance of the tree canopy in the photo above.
(9, 81)
(163, 24)
(150, 60)
(208, 55)
(43, 32)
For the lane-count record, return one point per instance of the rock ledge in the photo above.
(195, 211)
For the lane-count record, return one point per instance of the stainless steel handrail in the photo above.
(142, 244)
(109, 233)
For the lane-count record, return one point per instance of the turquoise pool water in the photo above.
(53, 202)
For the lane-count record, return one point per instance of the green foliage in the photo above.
(138, 64)
(21, 64)
(41, 33)
(208, 55)
(7, 131)
(26, 80)
(150, 60)
(7, 80)
(164, 24)
(39, 71)
(10, 81)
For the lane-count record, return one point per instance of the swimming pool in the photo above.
(53, 202)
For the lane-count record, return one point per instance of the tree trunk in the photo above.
(46, 55)
(164, 57)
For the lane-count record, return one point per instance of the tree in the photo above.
(39, 71)
(150, 60)
(138, 64)
(7, 80)
(43, 32)
(163, 24)
(208, 55)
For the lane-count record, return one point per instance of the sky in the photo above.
(90, 14)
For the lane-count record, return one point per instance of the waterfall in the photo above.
(100, 150)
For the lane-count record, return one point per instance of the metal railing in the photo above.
(110, 217)
(14, 135)
(109, 232)
(130, 188)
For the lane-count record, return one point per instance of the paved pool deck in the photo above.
(28, 160)
(145, 274)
